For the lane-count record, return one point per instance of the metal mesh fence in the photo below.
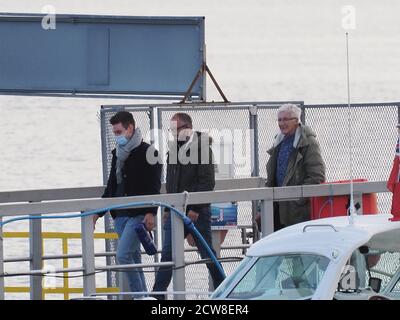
(373, 137)
(373, 141)
(267, 129)
(235, 120)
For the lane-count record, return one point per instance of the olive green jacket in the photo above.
(305, 167)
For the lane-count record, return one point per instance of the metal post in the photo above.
(255, 169)
(108, 225)
(398, 113)
(36, 254)
(216, 243)
(152, 128)
(1, 263)
(303, 114)
(103, 140)
(178, 254)
(267, 217)
(154, 142)
(89, 279)
(203, 84)
(160, 137)
(159, 236)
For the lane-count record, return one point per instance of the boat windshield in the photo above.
(281, 277)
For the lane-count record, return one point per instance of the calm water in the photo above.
(257, 50)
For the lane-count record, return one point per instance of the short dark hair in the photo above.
(123, 117)
(185, 118)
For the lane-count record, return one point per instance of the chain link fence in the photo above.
(212, 119)
(373, 140)
(251, 128)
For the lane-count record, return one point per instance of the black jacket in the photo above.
(140, 178)
(196, 175)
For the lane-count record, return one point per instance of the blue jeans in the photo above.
(128, 250)
(203, 225)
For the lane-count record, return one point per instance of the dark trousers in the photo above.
(277, 221)
(203, 225)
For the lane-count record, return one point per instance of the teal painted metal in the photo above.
(146, 56)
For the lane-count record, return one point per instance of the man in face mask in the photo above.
(189, 168)
(131, 175)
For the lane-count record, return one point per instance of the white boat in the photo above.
(321, 260)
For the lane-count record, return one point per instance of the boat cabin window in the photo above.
(372, 269)
(291, 276)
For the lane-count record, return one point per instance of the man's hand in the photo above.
(190, 240)
(193, 215)
(95, 218)
(149, 221)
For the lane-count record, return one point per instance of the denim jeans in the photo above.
(128, 251)
(203, 225)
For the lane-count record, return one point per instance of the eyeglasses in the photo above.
(285, 119)
(173, 129)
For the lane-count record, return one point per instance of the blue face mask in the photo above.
(121, 140)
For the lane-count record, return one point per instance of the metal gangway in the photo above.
(42, 203)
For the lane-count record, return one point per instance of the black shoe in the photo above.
(159, 296)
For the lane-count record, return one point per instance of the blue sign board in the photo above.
(147, 56)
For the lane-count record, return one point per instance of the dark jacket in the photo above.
(305, 166)
(197, 174)
(139, 178)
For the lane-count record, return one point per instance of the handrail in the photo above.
(318, 225)
(178, 199)
(235, 190)
(96, 191)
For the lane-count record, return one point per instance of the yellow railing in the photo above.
(66, 290)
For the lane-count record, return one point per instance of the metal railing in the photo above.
(62, 201)
(66, 289)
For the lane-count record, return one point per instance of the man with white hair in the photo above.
(295, 159)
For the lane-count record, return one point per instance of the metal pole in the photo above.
(160, 137)
(153, 142)
(398, 113)
(303, 114)
(103, 140)
(36, 253)
(159, 237)
(255, 169)
(178, 255)
(1, 263)
(109, 244)
(103, 144)
(267, 217)
(203, 85)
(89, 279)
(216, 243)
(152, 128)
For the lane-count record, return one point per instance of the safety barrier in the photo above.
(266, 196)
(65, 290)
